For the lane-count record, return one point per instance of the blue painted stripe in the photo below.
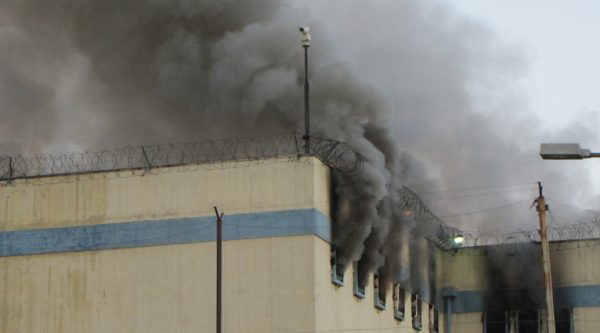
(161, 232)
(564, 297)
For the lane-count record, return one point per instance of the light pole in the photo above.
(565, 151)
(306, 44)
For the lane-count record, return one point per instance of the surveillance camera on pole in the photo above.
(305, 36)
(305, 30)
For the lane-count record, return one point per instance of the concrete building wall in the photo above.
(338, 310)
(576, 275)
(134, 251)
(188, 191)
(268, 287)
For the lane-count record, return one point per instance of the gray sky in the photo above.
(534, 82)
(559, 38)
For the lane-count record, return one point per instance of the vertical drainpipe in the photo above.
(449, 294)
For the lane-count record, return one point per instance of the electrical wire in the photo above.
(571, 206)
(477, 188)
(479, 194)
(484, 210)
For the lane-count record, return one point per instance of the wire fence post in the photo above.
(219, 265)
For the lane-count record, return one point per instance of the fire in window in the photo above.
(399, 298)
(379, 291)
(416, 310)
(337, 270)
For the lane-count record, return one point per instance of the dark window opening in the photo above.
(564, 320)
(399, 298)
(495, 322)
(416, 310)
(337, 270)
(528, 321)
(379, 291)
(358, 285)
(434, 324)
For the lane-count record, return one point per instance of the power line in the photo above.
(485, 210)
(574, 207)
(480, 194)
(477, 188)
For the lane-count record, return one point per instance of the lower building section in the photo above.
(268, 287)
(274, 284)
(571, 320)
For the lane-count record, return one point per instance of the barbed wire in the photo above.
(587, 229)
(336, 154)
(426, 223)
(436, 230)
(340, 156)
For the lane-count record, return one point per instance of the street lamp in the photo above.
(459, 239)
(565, 151)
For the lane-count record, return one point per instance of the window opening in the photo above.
(358, 284)
(379, 290)
(495, 322)
(416, 310)
(528, 321)
(564, 320)
(337, 270)
(433, 319)
(399, 298)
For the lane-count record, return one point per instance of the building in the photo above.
(124, 241)
(500, 288)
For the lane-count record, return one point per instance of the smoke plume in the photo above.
(429, 98)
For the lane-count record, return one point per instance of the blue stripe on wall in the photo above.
(161, 232)
(565, 297)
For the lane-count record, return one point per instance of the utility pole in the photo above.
(219, 265)
(541, 208)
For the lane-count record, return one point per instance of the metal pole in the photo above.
(306, 103)
(219, 266)
(541, 208)
(448, 315)
(10, 170)
(449, 294)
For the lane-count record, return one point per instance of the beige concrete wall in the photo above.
(586, 320)
(576, 263)
(268, 287)
(467, 323)
(466, 270)
(338, 310)
(573, 263)
(236, 187)
(268, 283)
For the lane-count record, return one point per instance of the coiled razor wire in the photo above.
(336, 154)
(444, 236)
(426, 223)
(560, 236)
(340, 156)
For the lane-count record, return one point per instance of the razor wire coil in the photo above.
(336, 154)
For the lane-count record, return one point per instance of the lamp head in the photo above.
(458, 240)
(563, 151)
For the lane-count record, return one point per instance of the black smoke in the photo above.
(429, 98)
